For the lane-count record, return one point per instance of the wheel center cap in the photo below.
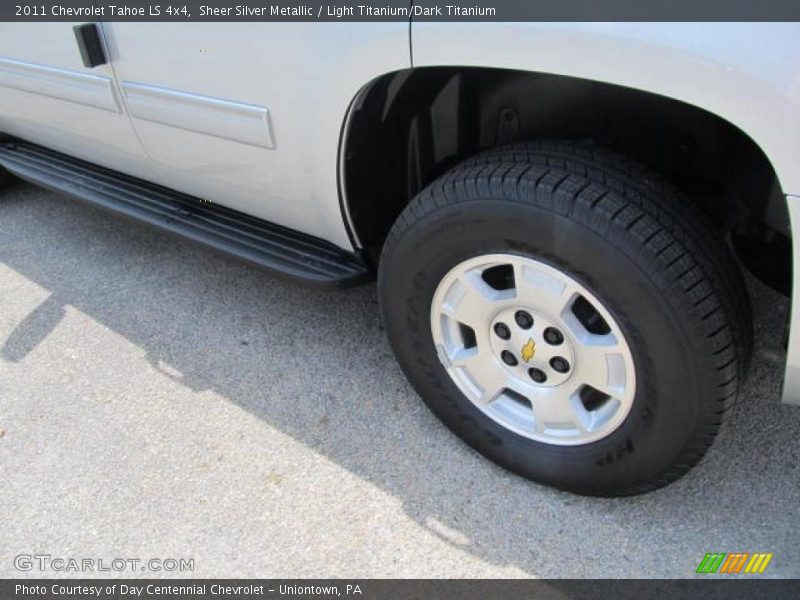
(531, 347)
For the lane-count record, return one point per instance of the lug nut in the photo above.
(537, 375)
(508, 358)
(553, 336)
(502, 331)
(523, 319)
(559, 364)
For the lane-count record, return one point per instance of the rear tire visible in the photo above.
(645, 274)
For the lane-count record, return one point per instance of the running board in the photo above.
(282, 251)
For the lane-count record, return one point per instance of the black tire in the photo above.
(5, 178)
(639, 245)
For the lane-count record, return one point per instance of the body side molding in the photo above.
(235, 121)
(65, 84)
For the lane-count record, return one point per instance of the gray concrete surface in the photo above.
(157, 400)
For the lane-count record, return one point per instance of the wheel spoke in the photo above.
(555, 408)
(549, 294)
(472, 301)
(601, 364)
(482, 371)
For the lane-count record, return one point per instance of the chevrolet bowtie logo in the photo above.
(528, 350)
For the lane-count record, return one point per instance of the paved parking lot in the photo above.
(158, 400)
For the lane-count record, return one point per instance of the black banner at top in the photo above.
(400, 10)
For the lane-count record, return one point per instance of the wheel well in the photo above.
(408, 127)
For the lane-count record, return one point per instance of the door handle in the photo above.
(91, 46)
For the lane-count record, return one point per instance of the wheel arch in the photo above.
(405, 128)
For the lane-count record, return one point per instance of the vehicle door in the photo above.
(50, 97)
(250, 115)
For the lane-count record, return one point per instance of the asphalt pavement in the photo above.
(160, 401)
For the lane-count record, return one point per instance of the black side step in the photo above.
(280, 250)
